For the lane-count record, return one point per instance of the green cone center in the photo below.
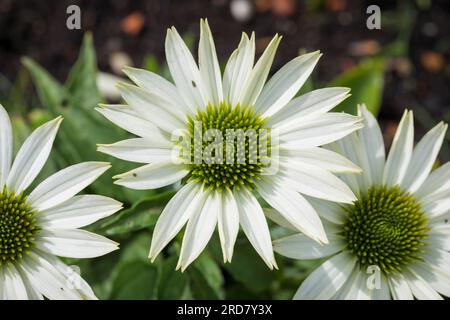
(18, 227)
(228, 146)
(386, 228)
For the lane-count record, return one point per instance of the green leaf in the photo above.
(172, 284)
(135, 281)
(82, 80)
(206, 278)
(249, 269)
(366, 82)
(51, 93)
(141, 215)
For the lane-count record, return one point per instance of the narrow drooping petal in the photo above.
(327, 279)
(328, 210)
(156, 110)
(238, 69)
(32, 156)
(285, 83)
(258, 75)
(372, 156)
(75, 243)
(316, 182)
(401, 150)
(160, 88)
(199, 230)
(322, 158)
(209, 65)
(301, 247)
(355, 288)
(78, 212)
(423, 158)
(180, 208)
(438, 279)
(399, 287)
(228, 223)
(312, 103)
(152, 176)
(47, 279)
(126, 118)
(140, 150)
(6, 145)
(420, 288)
(436, 185)
(184, 70)
(12, 286)
(318, 130)
(66, 183)
(255, 227)
(294, 208)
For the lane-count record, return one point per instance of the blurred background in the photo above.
(46, 70)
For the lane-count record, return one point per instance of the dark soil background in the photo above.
(415, 37)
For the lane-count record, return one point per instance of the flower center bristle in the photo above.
(228, 146)
(386, 228)
(18, 227)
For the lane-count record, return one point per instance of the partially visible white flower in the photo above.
(223, 194)
(38, 226)
(394, 241)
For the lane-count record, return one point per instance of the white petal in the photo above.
(436, 278)
(32, 156)
(372, 155)
(199, 230)
(159, 112)
(420, 288)
(75, 280)
(293, 207)
(47, 279)
(186, 202)
(258, 75)
(152, 176)
(383, 292)
(74, 243)
(439, 259)
(327, 279)
(254, 224)
(399, 287)
(238, 69)
(322, 158)
(12, 284)
(66, 183)
(330, 211)
(228, 224)
(318, 130)
(423, 158)
(436, 185)
(312, 103)
(316, 182)
(209, 65)
(33, 293)
(78, 212)
(301, 247)
(355, 288)
(285, 83)
(126, 118)
(184, 70)
(159, 88)
(401, 150)
(139, 150)
(6, 145)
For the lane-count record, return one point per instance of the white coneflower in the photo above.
(393, 241)
(222, 193)
(38, 226)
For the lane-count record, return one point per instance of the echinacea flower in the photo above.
(394, 241)
(38, 226)
(222, 192)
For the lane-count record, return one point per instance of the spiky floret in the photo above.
(18, 227)
(237, 158)
(387, 228)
